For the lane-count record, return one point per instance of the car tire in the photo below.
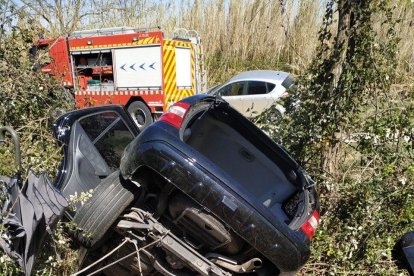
(271, 116)
(98, 214)
(275, 115)
(140, 114)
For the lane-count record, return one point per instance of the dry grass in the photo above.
(242, 34)
(406, 33)
(237, 34)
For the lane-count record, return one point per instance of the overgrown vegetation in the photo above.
(353, 131)
(350, 121)
(28, 102)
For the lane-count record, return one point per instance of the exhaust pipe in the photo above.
(230, 264)
(251, 265)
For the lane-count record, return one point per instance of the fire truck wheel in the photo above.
(141, 114)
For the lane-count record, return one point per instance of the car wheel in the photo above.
(98, 214)
(140, 114)
(275, 115)
(269, 117)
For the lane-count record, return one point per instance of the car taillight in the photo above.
(284, 95)
(309, 227)
(175, 115)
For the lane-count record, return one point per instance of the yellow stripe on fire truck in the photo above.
(172, 94)
(169, 71)
(193, 77)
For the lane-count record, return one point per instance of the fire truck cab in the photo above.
(140, 69)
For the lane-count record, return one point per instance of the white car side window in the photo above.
(270, 86)
(233, 89)
(259, 88)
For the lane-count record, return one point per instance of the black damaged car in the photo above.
(202, 191)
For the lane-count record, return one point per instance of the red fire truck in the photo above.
(140, 69)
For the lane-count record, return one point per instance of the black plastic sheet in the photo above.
(29, 213)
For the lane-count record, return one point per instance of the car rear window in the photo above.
(288, 82)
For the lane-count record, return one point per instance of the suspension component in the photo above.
(137, 220)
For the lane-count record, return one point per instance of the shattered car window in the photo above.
(109, 134)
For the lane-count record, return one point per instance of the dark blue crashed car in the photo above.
(202, 191)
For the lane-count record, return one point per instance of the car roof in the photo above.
(261, 75)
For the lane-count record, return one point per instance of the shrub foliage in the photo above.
(29, 101)
(350, 121)
(351, 126)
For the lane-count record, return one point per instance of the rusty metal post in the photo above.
(16, 141)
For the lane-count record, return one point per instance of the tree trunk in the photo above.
(330, 146)
(345, 10)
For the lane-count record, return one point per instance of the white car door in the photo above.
(256, 98)
(233, 94)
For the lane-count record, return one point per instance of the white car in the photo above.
(252, 92)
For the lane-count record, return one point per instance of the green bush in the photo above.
(29, 102)
(351, 126)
